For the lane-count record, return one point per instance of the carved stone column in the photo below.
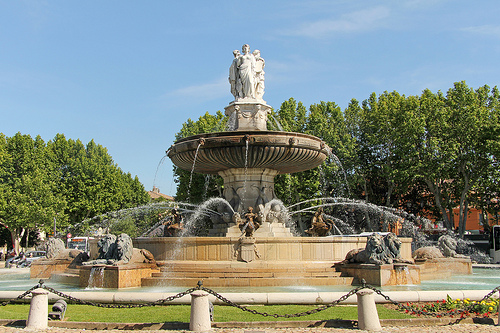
(249, 115)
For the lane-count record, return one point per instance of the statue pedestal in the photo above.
(439, 268)
(248, 115)
(382, 275)
(43, 268)
(124, 276)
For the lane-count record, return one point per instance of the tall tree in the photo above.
(29, 196)
(90, 180)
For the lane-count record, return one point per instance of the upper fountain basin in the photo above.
(286, 152)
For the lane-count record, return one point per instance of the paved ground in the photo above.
(460, 328)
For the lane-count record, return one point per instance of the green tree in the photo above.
(29, 195)
(92, 183)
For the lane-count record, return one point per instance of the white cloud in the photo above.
(201, 92)
(491, 30)
(358, 21)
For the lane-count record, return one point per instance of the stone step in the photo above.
(256, 264)
(246, 282)
(221, 275)
(298, 269)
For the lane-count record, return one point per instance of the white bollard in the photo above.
(38, 317)
(367, 311)
(200, 312)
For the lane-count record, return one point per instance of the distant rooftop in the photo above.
(155, 194)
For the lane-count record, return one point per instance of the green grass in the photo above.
(181, 313)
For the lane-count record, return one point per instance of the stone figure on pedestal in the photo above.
(259, 74)
(246, 74)
(234, 78)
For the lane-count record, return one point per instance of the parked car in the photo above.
(12, 261)
(30, 256)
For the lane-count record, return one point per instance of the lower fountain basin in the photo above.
(285, 152)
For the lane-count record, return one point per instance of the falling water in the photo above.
(277, 123)
(192, 170)
(336, 160)
(246, 171)
(207, 183)
(96, 278)
(162, 160)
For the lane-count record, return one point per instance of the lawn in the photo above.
(181, 313)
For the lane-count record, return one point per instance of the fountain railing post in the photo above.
(200, 312)
(38, 317)
(367, 311)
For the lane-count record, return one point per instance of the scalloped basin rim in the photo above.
(286, 152)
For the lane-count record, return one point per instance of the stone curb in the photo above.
(256, 324)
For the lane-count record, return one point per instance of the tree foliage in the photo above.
(62, 181)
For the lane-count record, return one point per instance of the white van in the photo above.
(79, 243)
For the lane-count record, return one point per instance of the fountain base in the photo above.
(124, 276)
(382, 275)
(44, 268)
(439, 268)
(286, 261)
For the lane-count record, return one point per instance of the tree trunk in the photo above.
(16, 234)
(435, 189)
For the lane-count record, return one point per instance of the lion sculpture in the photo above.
(53, 246)
(393, 245)
(373, 253)
(448, 246)
(379, 251)
(119, 251)
(427, 253)
(124, 250)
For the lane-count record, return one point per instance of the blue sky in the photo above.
(129, 73)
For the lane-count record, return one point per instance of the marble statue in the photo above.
(246, 74)
(234, 78)
(259, 74)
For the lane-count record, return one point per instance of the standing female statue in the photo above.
(246, 71)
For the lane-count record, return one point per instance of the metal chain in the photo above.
(128, 305)
(461, 312)
(102, 305)
(276, 315)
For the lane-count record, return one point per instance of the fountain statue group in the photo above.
(246, 74)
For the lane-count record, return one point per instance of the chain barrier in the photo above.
(97, 304)
(462, 312)
(276, 315)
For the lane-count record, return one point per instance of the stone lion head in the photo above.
(393, 244)
(124, 247)
(375, 243)
(105, 244)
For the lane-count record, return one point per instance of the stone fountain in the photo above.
(248, 157)
(249, 242)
